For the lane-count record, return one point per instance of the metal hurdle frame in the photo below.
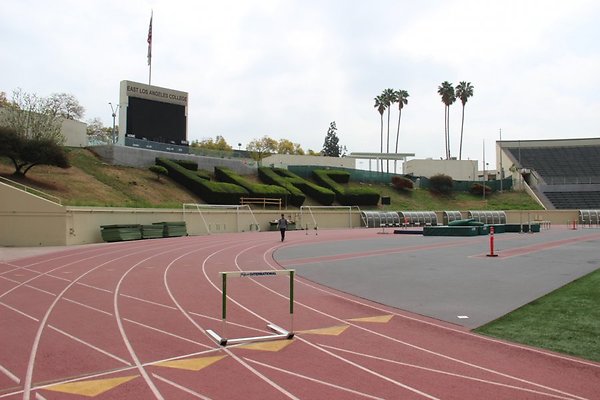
(280, 332)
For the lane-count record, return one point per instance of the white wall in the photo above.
(285, 160)
(459, 170)
(73, 131)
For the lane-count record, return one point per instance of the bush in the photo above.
(211, 192)
(477, 189)
(158, 170)
(441, 183)
(402, 183)
(225, 174)
(345, 195)
(296, 185)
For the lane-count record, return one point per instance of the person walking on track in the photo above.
(282, 224)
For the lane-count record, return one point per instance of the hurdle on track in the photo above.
(280, 332)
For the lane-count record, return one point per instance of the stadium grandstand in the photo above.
(563, 174)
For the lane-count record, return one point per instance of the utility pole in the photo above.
(501, 169)
(483, 191)
(114, 116)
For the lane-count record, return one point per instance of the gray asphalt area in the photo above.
(449, 278)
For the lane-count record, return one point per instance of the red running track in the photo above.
(129, 320)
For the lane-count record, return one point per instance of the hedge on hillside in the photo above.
(401, 183)
(297, 186)
(188, 164)
(211, 192)
(441, 183)
(334, 179)
(225, 174)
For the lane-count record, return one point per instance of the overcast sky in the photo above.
(288, 68)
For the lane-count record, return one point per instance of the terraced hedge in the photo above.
(211, 192)
(225, 174)
(336, 180)
(297, 186)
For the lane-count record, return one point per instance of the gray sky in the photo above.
(288, 68)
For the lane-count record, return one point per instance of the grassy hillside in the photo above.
(90, 182)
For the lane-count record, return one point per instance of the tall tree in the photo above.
(31, 118)
(380, 106)
(218, 143)
(464, 90)
(446, 90)
(402, 100)
(286, 146)
(389, 98)
(25, 153)
(261, 148)
(331, 147)
(65, 105)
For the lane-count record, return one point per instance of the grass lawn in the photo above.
(566, 320)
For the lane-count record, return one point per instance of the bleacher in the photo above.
(570, 175)
(574, 200)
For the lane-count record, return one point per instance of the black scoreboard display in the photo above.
(156, 121)
(153, 113)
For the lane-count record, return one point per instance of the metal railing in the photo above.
(31, 190)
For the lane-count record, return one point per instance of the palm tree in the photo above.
(380, 106)
(464, 90)
(446, 90)
(389, 98)
(402, 100)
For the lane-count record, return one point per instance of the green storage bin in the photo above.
(451, 230)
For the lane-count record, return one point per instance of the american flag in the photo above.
(150, 40)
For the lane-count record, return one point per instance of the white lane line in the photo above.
(19, 312)
(414, 390)
(119, 321)
(148, 301)
(437, 371)
(28, 286)
(138, 364)
(167, 333)
(106, 353)
(422, 348)
(454, 330)
(430, 323)
(44, 321)
(9, 374)
(87, 306)
(308, 378)
(110, 372)
(182, 388)
(224, 349)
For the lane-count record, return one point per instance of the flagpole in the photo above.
(150, 49)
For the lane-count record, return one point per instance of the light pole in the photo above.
(114, 115)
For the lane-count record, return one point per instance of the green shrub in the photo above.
(345, 195)
(225, 174)
(158, 170)
(211, 192)
(402, 183)
(296, 185)
(477, 189)
(188, 164)
(441, 183)
(203, 174)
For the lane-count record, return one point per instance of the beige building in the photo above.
(285, 160)
(459, 170)
(74, 132)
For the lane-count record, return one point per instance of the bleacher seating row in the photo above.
(574, 200)
(575, 161)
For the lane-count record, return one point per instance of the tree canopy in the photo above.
(30, 117)
(25, 153)
(219, 143)
(331, 147)
(261, 148)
